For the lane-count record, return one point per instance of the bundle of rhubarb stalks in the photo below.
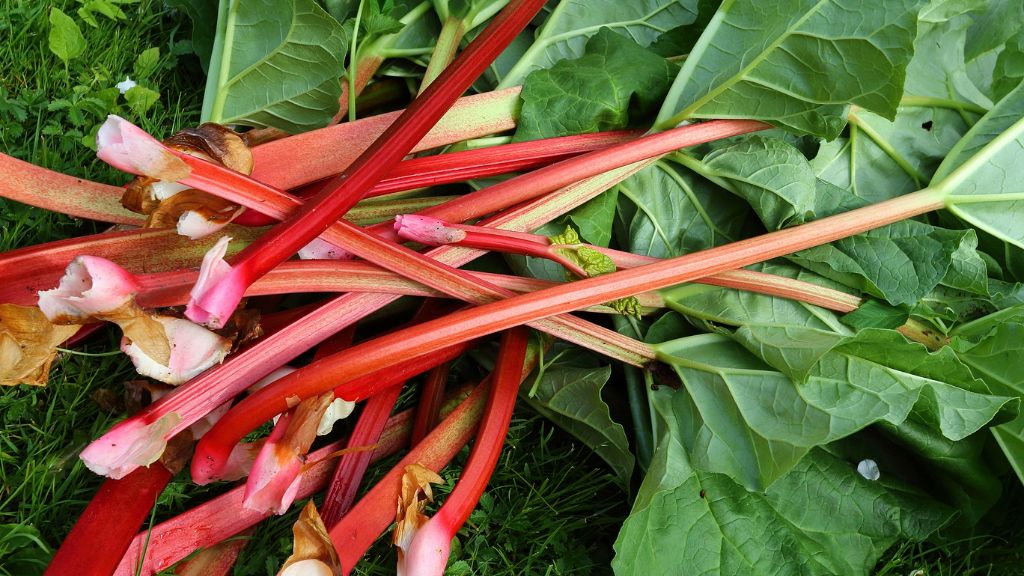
(794, 236)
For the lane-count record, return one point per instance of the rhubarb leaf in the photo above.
(883, 159)
(614, 84)
(821, 518)
(665, 211)
(983, 176)
(992, 347)
(570, 23)
(1009, 71)
(571, 398)
(203, 15)
(253, 79)
(770, 174)
(899, 263)
(939, 69)
(874, 314)
(596, 218)
(796, 64)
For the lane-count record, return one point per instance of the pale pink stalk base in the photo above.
(127, 147)
(215, 271)
(128, 445)
(193, 350)
(427, 230)
(241, 460)
(274, 479)
(428, 553)
(91, 286)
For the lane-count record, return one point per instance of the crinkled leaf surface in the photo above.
(665, 211)
(571, 397)
(770, 174)
(796, 63)
(614, 84)
(278, 64)
(571, 22)
(821, 518)
(899, 263)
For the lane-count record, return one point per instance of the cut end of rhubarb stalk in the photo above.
(217, 291)
(427, 230)
(193, 350)
(128, 445)
(127, 147)
(91, 286)
(429, 550)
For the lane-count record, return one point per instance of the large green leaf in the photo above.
(983, 176)
(571, 22)
(665, 211)
(882, 159)
(275, 64)
(614, 84)
(939, 68)
(203, 14)
(796, 63)
(571, 398)
(821, 518)
(769, 173)
(900, 263)
(992, 347)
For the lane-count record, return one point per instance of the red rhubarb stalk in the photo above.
(428, 410)
(223, 516)
(368, 519)
(116, 452)
(502, 314)
(105, 529)
(468, 164)
(434, 232)
(428, 553)
(214, 306)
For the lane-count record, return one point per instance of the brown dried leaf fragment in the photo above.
(312, 551)
(413, 499)
(28, 344)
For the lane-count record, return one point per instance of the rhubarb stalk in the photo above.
(215, 305)
(502, 314)
(428, 553)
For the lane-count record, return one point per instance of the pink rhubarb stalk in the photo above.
(469, 164)
(434, 232)
(105, 529)
(214, 306)
(147, 433)
(224, 516)
(502, 314)
(428, 553)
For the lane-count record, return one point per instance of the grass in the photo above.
(552, 507)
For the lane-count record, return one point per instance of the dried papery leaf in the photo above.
(163, 200)
(28, 344)
(243, 327)
(177, 452)
(217, 142)
(193, 348)
(416, 492)
(168, 212)
(312, 545)
(145, 332)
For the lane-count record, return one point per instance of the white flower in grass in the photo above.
(126, 84)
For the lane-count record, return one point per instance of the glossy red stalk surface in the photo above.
(398, 140)
(502, 314)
